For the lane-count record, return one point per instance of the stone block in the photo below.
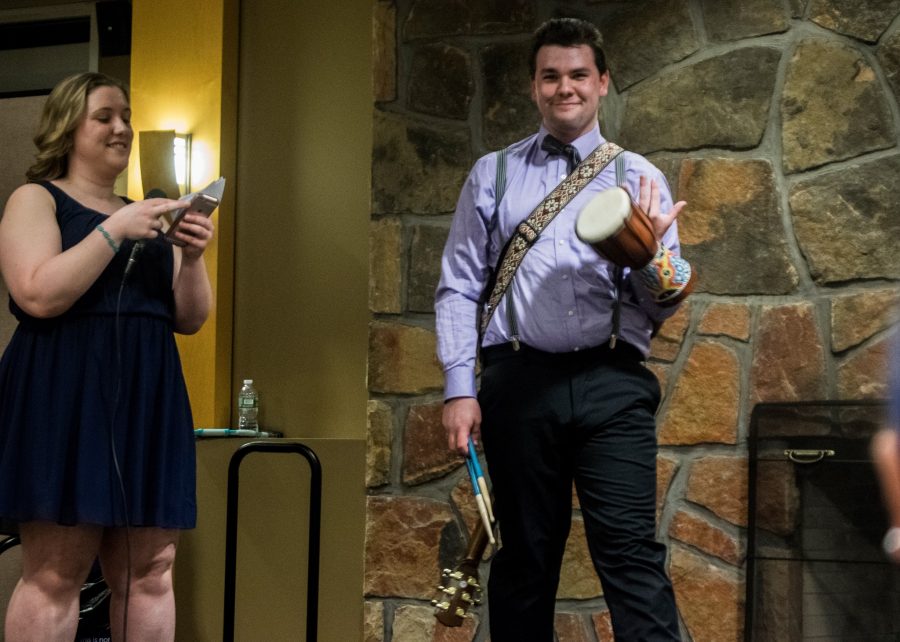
(719, 483)
(699, 533)
(571, 627)
(789, 358)
(578, 580)
(704, 406)
(718, 102)
(385, 266)
(603, 626)
(667, 343)
(850, 119)
(845, 222)
(373, 621)
(402, 359)
(671, 32)
(777, 497)
(864, 21)
(440, 81)
(666, 467)
(403, 535)
(425, 452)
(732, 229)
(379, 437)
(434, 18)
(858, 316)
(726, 320)
(418, 624)
(463, 499)
(661, 370)
(417, 167)
(508, 113)
(384, 50)
(863, 374)
(888, 54)
(425, 251)
(710, 599)
(737, 19)
(778, 612)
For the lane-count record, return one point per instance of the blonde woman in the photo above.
(96, 440)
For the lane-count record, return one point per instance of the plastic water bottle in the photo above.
(248, 407)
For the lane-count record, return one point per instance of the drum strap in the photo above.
(528, 231)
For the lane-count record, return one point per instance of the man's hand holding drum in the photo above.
(649, 201)
(627, 233)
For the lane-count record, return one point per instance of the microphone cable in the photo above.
(132, 259)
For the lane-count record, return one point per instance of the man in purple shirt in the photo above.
(564, 394)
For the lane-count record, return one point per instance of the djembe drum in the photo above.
(617, 228)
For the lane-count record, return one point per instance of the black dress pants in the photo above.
(549, 419)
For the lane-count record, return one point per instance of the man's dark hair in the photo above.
(567, 32)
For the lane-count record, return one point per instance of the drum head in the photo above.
(603, 216)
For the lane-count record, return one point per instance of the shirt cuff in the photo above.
(459, 382)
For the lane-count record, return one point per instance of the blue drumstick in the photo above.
(479, 476)
(479, 499)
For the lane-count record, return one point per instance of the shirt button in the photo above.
(571, 313)
(577, 348)
(562, 242)
(565, 277)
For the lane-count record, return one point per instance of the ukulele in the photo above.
(460, 589)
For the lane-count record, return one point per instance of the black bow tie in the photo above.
(553, 145)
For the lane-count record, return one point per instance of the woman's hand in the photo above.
(141, 219)
(196, 231)
(649, 201)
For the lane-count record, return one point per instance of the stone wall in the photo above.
(777, 121)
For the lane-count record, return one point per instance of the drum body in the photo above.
(617, 228)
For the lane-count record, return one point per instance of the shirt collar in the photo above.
(585, 144)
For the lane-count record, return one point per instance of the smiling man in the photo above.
(564, 394)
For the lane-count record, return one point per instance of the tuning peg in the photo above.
(460, 612)
(443, 606)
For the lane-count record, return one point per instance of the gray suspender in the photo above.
(618, 273)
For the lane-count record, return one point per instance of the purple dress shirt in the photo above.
(563, 292)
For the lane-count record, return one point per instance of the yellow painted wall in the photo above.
(293, 134)
(182, 78)
(304, 167)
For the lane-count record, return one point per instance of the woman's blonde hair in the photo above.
(62, 113)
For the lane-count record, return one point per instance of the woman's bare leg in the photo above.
(55, 562)
(151, 600)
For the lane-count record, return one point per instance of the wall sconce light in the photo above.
(165, 162)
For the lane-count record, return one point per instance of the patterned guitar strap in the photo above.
(528, 231)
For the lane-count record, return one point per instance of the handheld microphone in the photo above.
(136, 249)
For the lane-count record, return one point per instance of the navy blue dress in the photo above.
(73, 386)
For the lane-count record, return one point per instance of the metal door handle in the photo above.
(801, 456)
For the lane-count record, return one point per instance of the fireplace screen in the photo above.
(815, 569)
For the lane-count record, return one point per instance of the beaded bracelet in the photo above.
(109, 239)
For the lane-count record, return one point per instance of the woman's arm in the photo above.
(45, 281)
(193, 292)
